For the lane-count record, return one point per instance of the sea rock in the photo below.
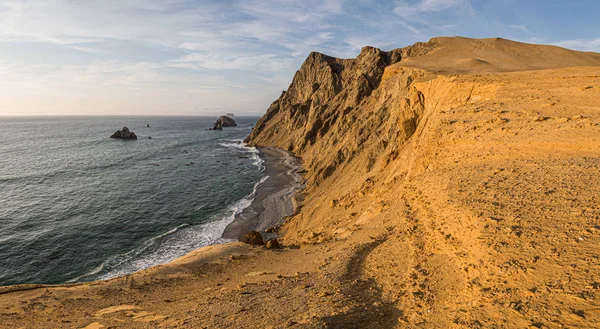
(254, 238)
(217, 126)
(272, 244)
(227, 121)
(223, 121)
(124, 134)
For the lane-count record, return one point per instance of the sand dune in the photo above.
(463, 55)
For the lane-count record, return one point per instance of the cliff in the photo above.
(453, 151)
(335, 108)
(355, 117)
(449, 184)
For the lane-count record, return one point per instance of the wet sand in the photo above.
(273, 200)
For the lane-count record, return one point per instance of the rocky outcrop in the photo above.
(272, 244)
(124, 134)
(217, 126)
(223, 121)
(335, 109)
(254, 238)
(227, 121)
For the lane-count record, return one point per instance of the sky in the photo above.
(204, 57)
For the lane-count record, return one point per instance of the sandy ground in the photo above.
(488, 216)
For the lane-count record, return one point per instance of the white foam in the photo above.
(239, 145)
(173, 243)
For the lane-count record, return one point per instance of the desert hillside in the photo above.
(449, 184)
(452, 55)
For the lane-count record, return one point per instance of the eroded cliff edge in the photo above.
(450, 154)
(365, 120)
(337, 104)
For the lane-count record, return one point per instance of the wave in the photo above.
(171, 244)
(239, 145)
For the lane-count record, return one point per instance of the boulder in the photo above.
(272, 244)
(254, 238)
(124, 134)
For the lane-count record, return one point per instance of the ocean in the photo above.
(76, 205)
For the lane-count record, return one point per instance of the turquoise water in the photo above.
(76, 205)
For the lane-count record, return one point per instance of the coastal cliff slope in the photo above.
(479, 168)
(449, 184)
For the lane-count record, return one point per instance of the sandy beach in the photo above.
(273, 201)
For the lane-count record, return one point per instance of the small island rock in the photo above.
(124, 134)
(223, 121)
(227, 121)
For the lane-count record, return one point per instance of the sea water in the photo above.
(76, 205)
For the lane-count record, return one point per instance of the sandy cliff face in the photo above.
(355, 118)
(329, 110)
(471, 164)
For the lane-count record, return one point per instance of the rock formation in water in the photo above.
(217, 126)
(124, 134)
(223, 121)
(227, 121)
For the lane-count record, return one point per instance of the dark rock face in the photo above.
(227, 121)
(254, 238)
(124, 134)
(223, 121)
(273, 244)
(217, 126)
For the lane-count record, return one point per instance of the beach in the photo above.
(273, 197)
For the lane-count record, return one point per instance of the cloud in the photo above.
(217, 61)
(357, 42)
(431, 17)
(121, 75)
(437, 5)
(521, 28)
(580, 44)
(413, 11)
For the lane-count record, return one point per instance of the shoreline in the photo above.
(273, 200)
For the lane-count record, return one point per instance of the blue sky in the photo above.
(183, 57)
